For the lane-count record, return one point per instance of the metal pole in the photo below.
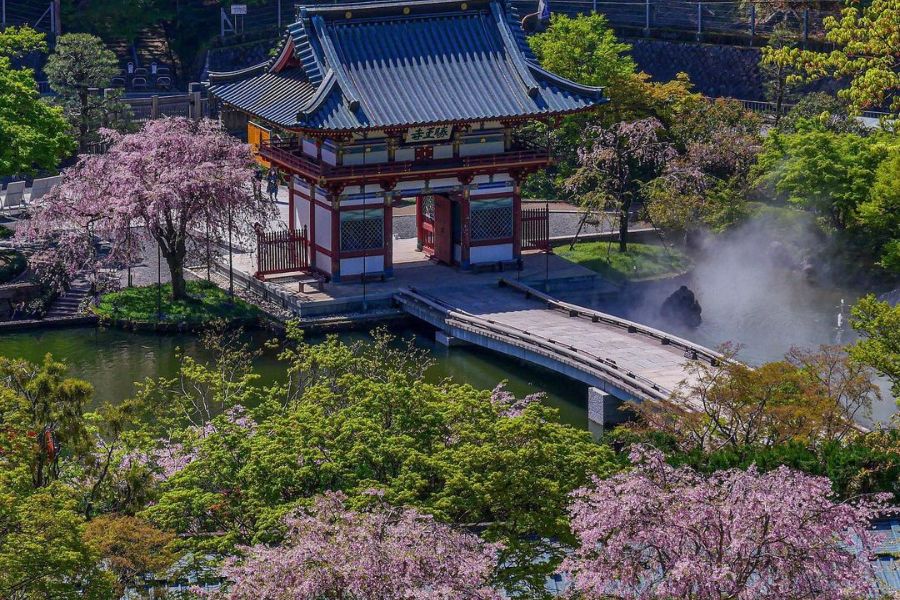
(647, 18)
(547, 250)
(365, 304)
(230, 259)
(208, 277)
(595, 6)
(3, 18)
(699, 20)
(279, 14)
(128, 258)
(158, 282)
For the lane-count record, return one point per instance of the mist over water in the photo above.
(755, 293)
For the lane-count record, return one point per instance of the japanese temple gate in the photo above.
(372, 104)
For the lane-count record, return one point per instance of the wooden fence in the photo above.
(536, 228)
(281, 251)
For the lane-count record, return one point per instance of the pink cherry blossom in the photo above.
(663, 532)
(382, 553)
(174, 181)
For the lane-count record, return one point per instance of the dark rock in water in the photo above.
(892, 297)
(682, 307)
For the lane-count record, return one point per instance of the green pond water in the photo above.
(112, 360)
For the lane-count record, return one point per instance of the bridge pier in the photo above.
(445, 339)
(604, 408)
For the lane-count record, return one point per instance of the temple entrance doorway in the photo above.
(443, 230)
(438, 226)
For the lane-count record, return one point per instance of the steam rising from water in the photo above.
(754, 292)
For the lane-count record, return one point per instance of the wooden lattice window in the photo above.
(362, 230)
(492, 219)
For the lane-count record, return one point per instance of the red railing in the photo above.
(281, 251)
(288, 154)
(536, 229)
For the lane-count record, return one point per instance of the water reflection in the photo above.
(112, 360)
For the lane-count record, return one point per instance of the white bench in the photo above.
(41, 187)
(14, 197)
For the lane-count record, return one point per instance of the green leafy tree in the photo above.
(42, 552)
(131, 548)
(358, 416)
(79, 69)
(879, 323)
(777, 64)
(825, 111)
(826, 172)
(51, 407)
(34, 133)
(115, 19)
(865, 53)
(879, 216)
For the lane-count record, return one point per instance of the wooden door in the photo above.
(443, 229)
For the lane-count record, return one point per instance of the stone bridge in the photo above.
(620, 360)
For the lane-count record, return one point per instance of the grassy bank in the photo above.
(642, 261)
(206, 302)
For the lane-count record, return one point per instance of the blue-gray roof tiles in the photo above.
(382, 68)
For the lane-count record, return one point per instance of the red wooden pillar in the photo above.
(388, 233)
(420, 219)
(335, 237)
(312, 223)
(517, 219)
(466, 233)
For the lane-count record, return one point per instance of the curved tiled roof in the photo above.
(372, 65)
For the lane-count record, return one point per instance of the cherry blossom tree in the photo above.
(383, 553)
(617, 164)
(175, 181)
(663, 532)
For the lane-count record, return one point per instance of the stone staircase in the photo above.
(69, 303)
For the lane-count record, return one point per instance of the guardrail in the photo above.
(586, 362)
(692, 350)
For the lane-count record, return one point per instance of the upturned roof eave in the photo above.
(536, 116)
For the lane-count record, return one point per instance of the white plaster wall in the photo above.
(301, 186)
(323, 262)
(495, 178)
(443, 151)
(476, 148)
(404, 154)
(323, 227)
(354, 266)
(301, 212)
(478, 254)
(369, 201)
(309, 147)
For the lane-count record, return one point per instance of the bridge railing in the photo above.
(602, 368)
(692, 350)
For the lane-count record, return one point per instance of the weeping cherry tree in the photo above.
(175, 182)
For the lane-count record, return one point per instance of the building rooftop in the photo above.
(392, 64)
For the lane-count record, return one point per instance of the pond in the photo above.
(112, 360)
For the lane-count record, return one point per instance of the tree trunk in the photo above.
(83, 120)
(175, 261)
(623, 227)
